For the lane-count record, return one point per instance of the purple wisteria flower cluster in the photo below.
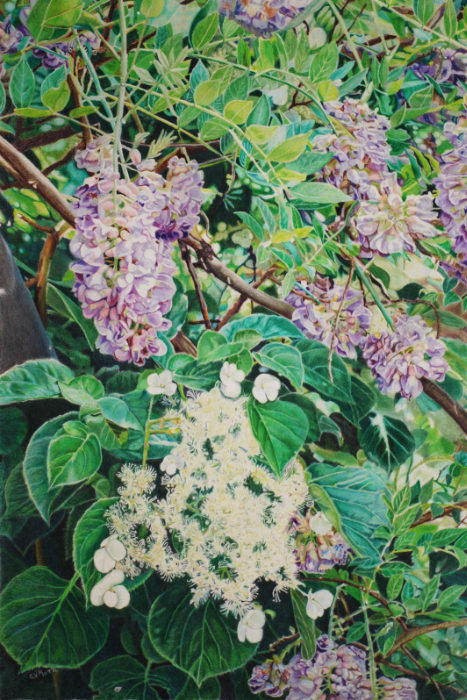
(400, 359)
(317, 316)
(263, 17)
(318, 545)
(123, 242)
(10, 40)
(384, 223)
(56, 55)
(334, 673)
(452, 189)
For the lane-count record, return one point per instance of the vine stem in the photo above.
(121, 97)
(147, 433)
(371, 654)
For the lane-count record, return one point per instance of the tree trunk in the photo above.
(22, 335)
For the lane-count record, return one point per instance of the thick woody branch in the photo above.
(443, 399)
(414, 632)
(199, 292)
(46, 139)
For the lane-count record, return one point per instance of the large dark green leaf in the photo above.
(312, 413)
(283, 359)
(268, 326)
(363, 401)
(18, 500)
(36, 379)
(117, 410)
(44, 623)
(352, 500)
(13, 429)
(385, 440)
(200, 641)
(47, 499)
(188, 372)
(64, 306)
(315, 357)
(281, 429)
(74, 454)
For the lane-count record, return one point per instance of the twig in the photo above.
(283, 640)
(425, 673)
(409, 672)
(199, 293)
(76, 97)
(242, 299)
(414, 632)
(182, 343)
(428, 516)
(45, 261)
(63, 161)
(46, 139)
(339, 311)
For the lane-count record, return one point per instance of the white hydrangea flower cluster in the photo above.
(225, 521)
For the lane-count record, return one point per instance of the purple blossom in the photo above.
(452, 186)
(316, 319)
(263, 17)
(271, 678)
(400, 359)
(56, 55)
(318, 545)
(399, 688)
(360, 153)
(124, 272)
(387, 224)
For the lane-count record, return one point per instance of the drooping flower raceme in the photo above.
(262, 17)
(318, 546)
(316, 319)
(360, 149)
(124, 273)
(230, 515)
(387, 224)
(400, 359)
(335, 672)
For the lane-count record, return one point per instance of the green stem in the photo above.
(147, 434)
(117, 150)
(374, 687)
(368, 285)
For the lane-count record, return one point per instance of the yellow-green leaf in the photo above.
(289, 150)
(238, 111)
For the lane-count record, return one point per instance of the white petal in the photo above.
(314, 609)
(238, 375)
(110, 599)
(324, 598)
(116, 549)
(259, 394)
(154, 390)
(256, 619)
(113, 579)
(165, 377)
(241, 630)
(123, 595)
(103, 561)
(170, 389)
(271, 392)
(231, 389)
(254, 636)
(225, 373)
(320, 524)
(97, 595)
(154, 380)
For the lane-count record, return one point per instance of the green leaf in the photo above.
(214, 129)
(206, 93)
(404, 520)
(324, 63)
(13, 429)
(260, 134)
(395, 584)
(311, 412)
(318, 193)
(268, 326)
(90, 531)
(386, 440)
(58, 301)
(428, 592)
(356, 632)
(450, 595)
(289, 150)
(44, 623)
(33, 112)
(177, 314)
(18, 500)
(201, 641)
(188, 372)
(47, 499)
(74, 454)
(450, 19)
(284, 359)
(134, 680)
(2, 98)
(55, 91)
(22, 84)
(35, 379)
(249, 338)
(328, 91)
(46, 15)
(352, 500)
(82, 390)
(305, 625)
(205, 30)
(152, 8)
(117, 410)
(261, 112)
(237, 111)
(281, 428)
(310, 162)
(424, 10)
(315, 358)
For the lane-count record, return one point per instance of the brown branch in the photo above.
(290, 638)
(21, 167)
(428, 516)
(199, 292)
(76, 97)
(108, 21)
(45, 261)
(425, 673)
(414, 632)
(442, 398)
(63, 161)
(46, 139)
(182, 343)
(242, 299)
